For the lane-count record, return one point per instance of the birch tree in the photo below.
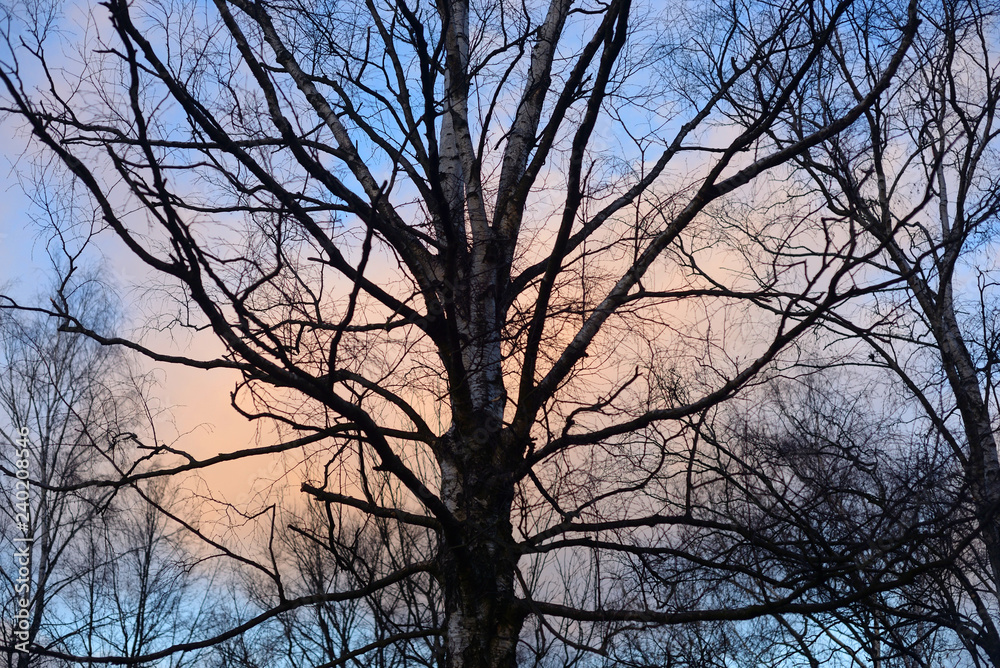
(102, 567)
(450, 250)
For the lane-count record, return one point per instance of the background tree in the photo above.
(446, 248)
(107, 571)
(915, 181)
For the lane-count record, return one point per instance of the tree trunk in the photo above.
(983, 466)
(478, 561)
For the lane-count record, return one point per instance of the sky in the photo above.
(22, 257)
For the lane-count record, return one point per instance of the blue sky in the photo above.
(22, 252)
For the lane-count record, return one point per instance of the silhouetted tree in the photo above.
(915, 183)
(108, 572)
(448, 248)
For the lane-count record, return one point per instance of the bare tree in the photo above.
(446, 247)
(102, 570)
(139, 585)
(57, 404)
(915, 181)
